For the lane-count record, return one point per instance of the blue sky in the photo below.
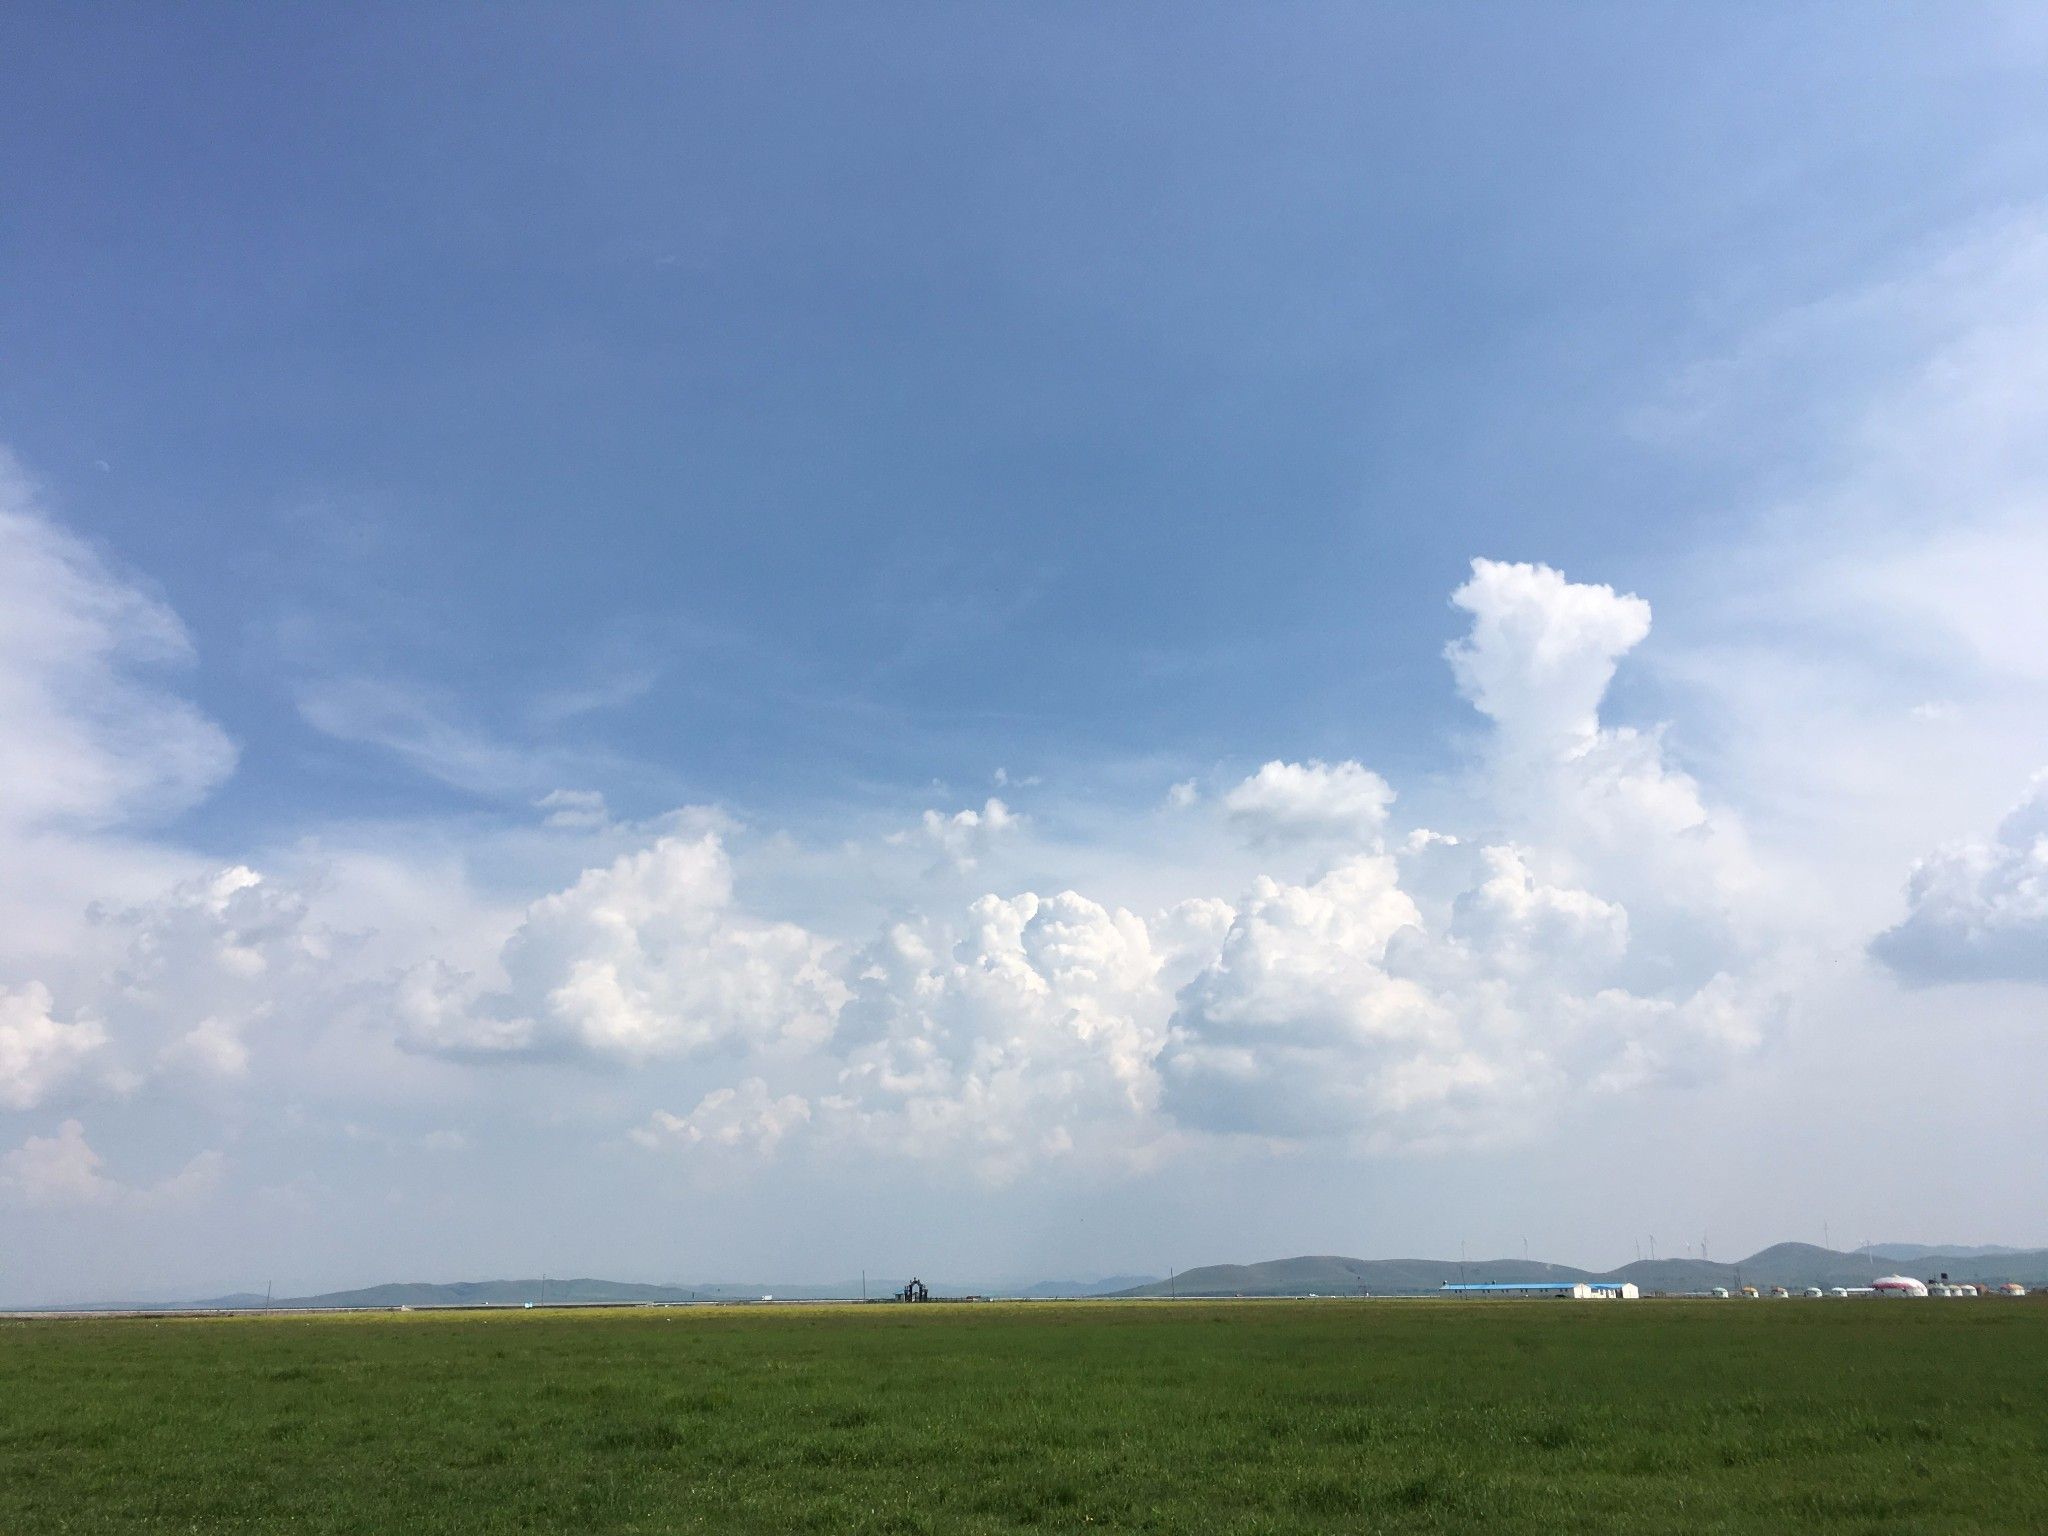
(783, 427)
(860, 389)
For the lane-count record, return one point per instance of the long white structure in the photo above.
(1576, 1290)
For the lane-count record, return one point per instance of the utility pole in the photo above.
(268, 1285)
(863, 1285)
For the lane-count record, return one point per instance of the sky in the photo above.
(736, 643)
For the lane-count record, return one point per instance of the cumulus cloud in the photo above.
(1342, 801)
(964, 837)
(1526, 927)
(1603, 803)
(88, 735)
(1031, 1032)
(1542, 650)
(40, 1053)
(1339, 1009)
(1347, 1007)
(649, 956)
(1977, 910)
(63, 1171)
(1296, 1028)
(1585, 945)
(1602, 953)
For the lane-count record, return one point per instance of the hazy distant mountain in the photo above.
(1794, 1265)
(512, 1293)
(504, 1293)
(1052, 1290)
(1328, 1275)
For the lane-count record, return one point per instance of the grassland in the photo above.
(1258, 1417)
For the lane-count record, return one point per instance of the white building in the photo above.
(1576, 1290)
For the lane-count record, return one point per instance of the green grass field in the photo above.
(1265, 1417)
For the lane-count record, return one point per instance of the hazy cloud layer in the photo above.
(89, 734)
(63, 1171)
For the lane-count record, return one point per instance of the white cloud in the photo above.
(1529, 929)
(649, 956)
(211, 1048)
(964, 837)
(1296, 1029)
(55, 1170)
(1594, 955)
(1340, 1010)
(1346, 1007)
(87, 737)
(577, 810)
(1341, 801)
(1542, 651)
(64, 1171)
(425, 732)
(1978, 910)
(1600, 806)
(1181, 796)
(1030, 1034)
(743, 1119)
(1593, 942)
(183, 979)
(39, 1053)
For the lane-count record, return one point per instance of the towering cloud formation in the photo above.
(1343, 1007)
(1597, 945)
(1599, 806)
(1542, 651)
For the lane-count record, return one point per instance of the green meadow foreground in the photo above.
(1252, 1417)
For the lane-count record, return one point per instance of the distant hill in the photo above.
(1328, 1275)
(512, 1293)
(1053, 1290)
(1793, 1265)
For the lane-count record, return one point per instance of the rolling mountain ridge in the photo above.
(1793, 1265)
